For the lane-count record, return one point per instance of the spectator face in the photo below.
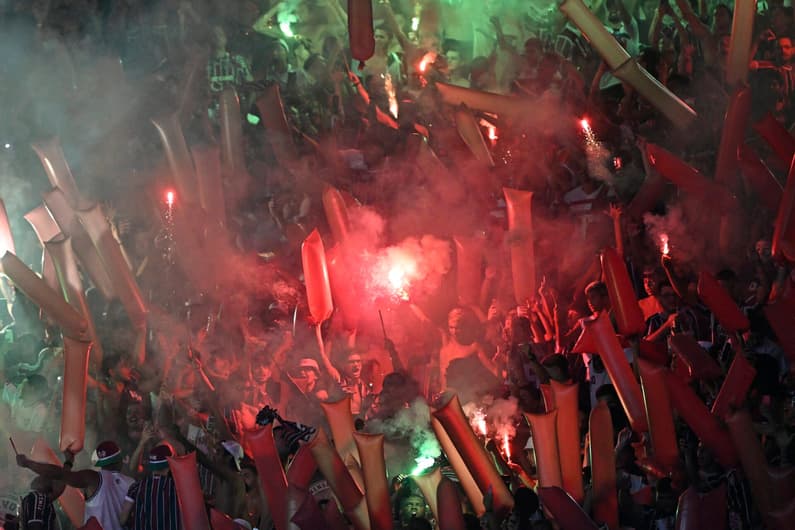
(453, 60)
(787, 49)
(650, 284)
(381, 39)
(412, 506)
(668, 299)
(353, 366)
(764, 250)
(596, 301)
(309, 374)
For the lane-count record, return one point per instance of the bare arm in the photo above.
(85, 479)
(699, 28)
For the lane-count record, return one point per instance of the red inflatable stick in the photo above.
(760, 178)
(523, 263)
(469, 131)
(271, 473)
(549, 397)
(781, 316)
(318, 289)
(6, 239)
(568, 434)
(91, 524)
(46, 229)
(178, 156)
(65, 264)
(721, 304)
(71, 500)
(303, 510)
(232, 159)
(740, 43)
(360, 29)
(706, 426)
(428, 483)
(695, 358)
(57, 169)
(345, 292)
(455, 423)
(687, 178)
(598, 332)
(687, 510)
(734, 125)
(340, 420)
(109, 249)
(602, 40)
(450, 516)
(207, 160)
(465, 478)
(189, 492)
(660, 416)
(336, 213)
(545, 445)
(507, 107)
(302, 468)
(603, 466)
(647, 197)
(784, 229)
(654, 352)
(51, 302)
(752, 458)
(75, 379)
(279, 134)
(89, 257)
(469, 268)
(376, 488)
(735, 387)
(622, 296)
(777, 136)
(566, 511)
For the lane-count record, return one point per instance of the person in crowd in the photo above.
(37, 510)
(151, 503)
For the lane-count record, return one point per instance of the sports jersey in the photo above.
(155, 505)
(38, 507)
(106, 502)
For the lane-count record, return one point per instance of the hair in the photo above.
(599, 288)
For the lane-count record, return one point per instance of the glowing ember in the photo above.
(664, 244)
(170, 198)
(590, 137)
(427, 59)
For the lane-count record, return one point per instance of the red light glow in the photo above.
(170, 198)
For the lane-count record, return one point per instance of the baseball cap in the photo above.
(306, 362)
(234, 449)
(108, 453)
(158, 457)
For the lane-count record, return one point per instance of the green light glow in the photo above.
(285, 27)
(252, 119)
(423, 463)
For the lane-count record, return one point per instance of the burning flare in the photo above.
(427, 59)
(506, 446)
(664, 248)
(390, 91)
(170, 198)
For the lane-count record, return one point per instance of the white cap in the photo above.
(529, 444)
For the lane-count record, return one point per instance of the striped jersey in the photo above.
(37, 507)
(155, 505)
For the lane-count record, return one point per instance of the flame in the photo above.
(506, 446)
(170, 198)
(398, 282)
(390, 91)
(585, 125)
(478, 422)
(427, 59)
(664, 244)
(493, 134)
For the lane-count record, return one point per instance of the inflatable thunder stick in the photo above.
(760, 178)
(741, 41)
(340, 481)
(695, 358)
(376, 488)
(89, 257)
(469, 265)
(428, 483)
(360, 29)
(340, 420)
(336, 213)
(279, 135)
(706, 426)
(507, 107)
(686, 178)
(178, 156)
(549, 397)
(50, 301)
(303, 511)
(91, 524)
(465, 478)
(603, 467)
(318, 290)
(659, 414)
(65, 265)
(784, 229)
(594, 30)
(598, 333)
(734, 389)
(717, 299)
(232, 158)
(109, 249)
(456, 425)
(189, 492)
(520, 223)
(777, 136)
(752, 458)
(450, 516)
(71, 500)
(344, 289)
(75, 379)
(271, 473)
(302, 468)
(469, 131)
(647, 197)
(568, 434)
(781, 316)
(734, 125)
(333, 517)
(57, 169)
(46, 229)
(567, 513)
(622, 295)
(696, 511)
(6, 239)
(545, 444)
(207, 160)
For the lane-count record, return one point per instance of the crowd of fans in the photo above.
(217, 356)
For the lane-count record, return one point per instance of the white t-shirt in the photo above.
(107, 501)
